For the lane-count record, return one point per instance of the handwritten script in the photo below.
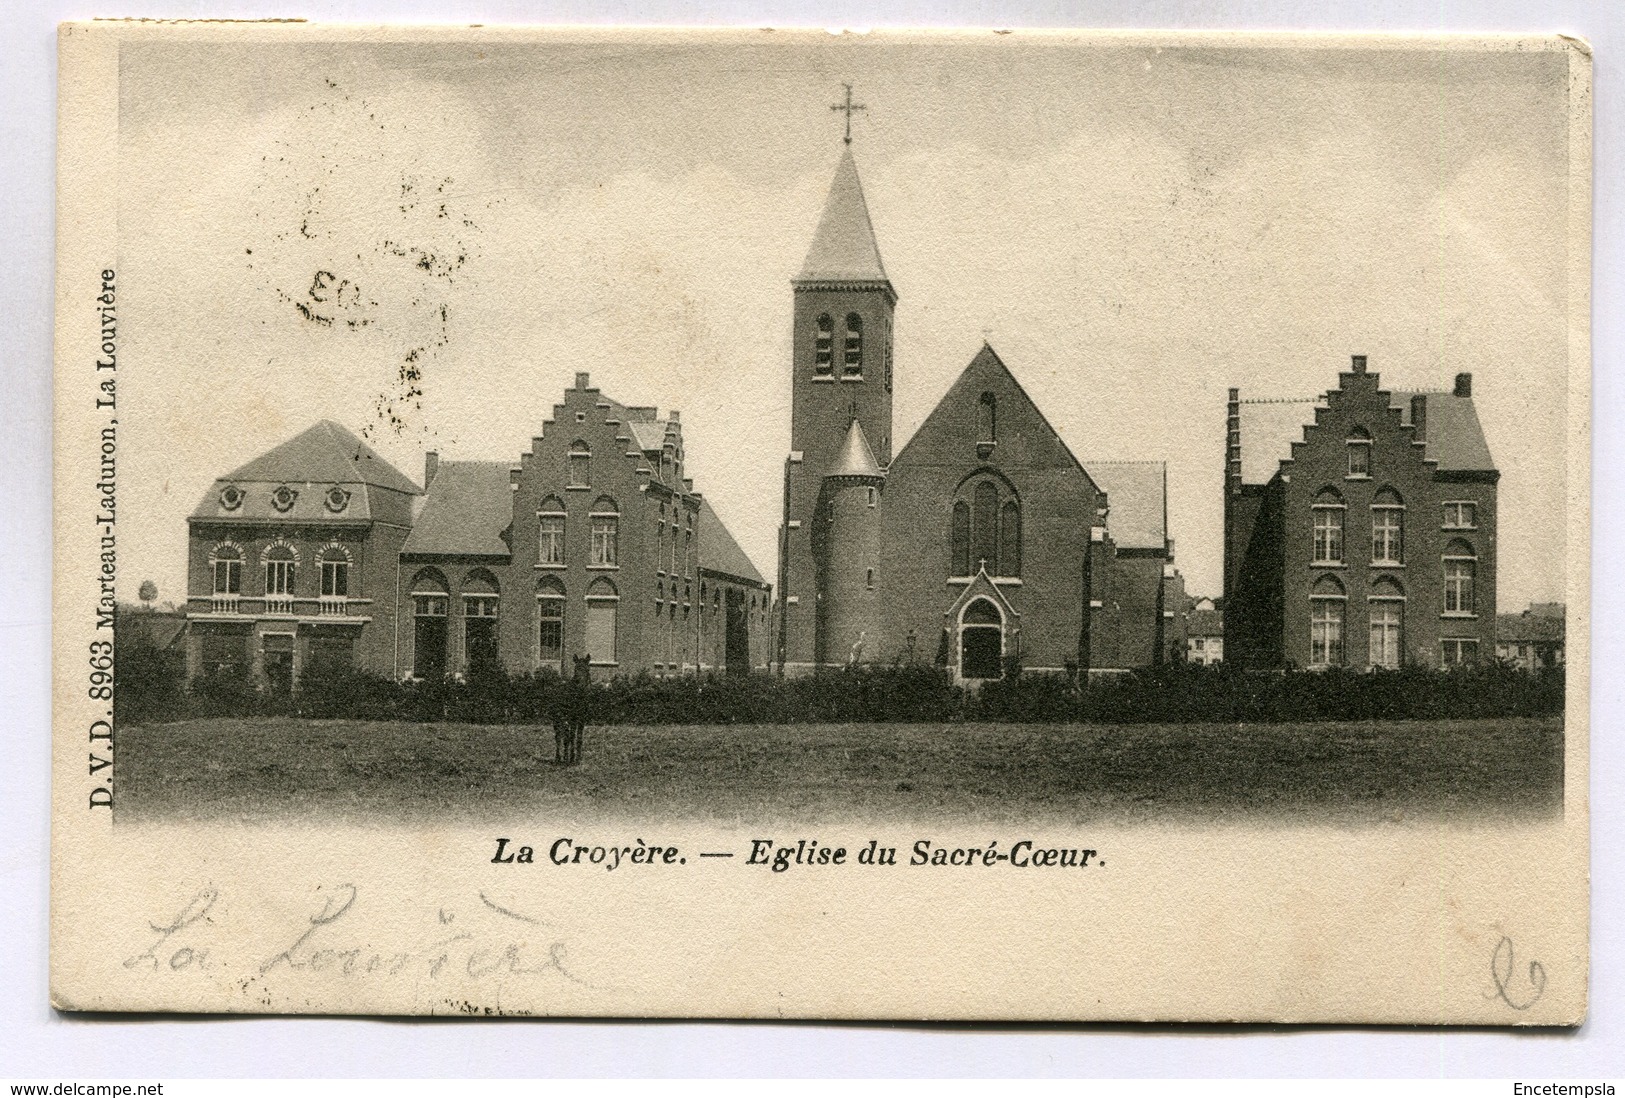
(1515, 993)
(487, 941)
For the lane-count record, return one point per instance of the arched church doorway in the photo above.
(981, 641)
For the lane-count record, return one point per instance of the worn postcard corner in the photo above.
(595, 522)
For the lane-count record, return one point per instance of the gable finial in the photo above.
(847, 108)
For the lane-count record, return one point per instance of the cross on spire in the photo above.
(847, 108)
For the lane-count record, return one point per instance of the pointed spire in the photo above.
(856, 458)
(844, 248)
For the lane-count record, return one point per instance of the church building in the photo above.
(984, 543)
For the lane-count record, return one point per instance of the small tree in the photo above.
(148, 592)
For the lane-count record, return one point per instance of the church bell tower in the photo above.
(840, 383)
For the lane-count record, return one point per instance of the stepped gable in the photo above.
(467, 513)
(843, 247)
(1136, 495)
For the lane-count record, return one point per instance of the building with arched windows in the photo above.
(984, 542)
(593, 544)
(1359, 528)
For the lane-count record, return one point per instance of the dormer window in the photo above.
(824, 346)
(231, 497)
(852, 364)
(1359, 446)
(284, 498)
(337, 499)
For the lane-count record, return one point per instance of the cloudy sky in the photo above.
(1134, 229)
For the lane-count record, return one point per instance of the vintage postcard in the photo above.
(784, 524)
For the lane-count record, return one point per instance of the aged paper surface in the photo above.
(603, 491)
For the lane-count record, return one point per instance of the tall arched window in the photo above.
(580, 464)
(984, 528)
(334, 561)
(885, 335)
(1328, 516)
(961, 539)
(1010, 539)
(1387, 528)
(550, 623)
(1328, 605)
(550, 533)
(987, 412)
(279, 565)
(824, 346)
(1460, 579)
(852, 362)
(1359, 444)
(1387, 613)
(603, 605)
(429, 598)
(228, 569)
(480, 594)
(606, 534)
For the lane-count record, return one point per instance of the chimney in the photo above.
(581, 380)
(1464, 385)
(675, 416)
(1419, 416)
(1357, 363)
(431, 466)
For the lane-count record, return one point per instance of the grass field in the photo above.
(1357, 773)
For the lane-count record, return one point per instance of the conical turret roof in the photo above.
(844, 248)
(856, 458)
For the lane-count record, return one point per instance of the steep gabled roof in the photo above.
(856, 458)
(986, 370)
(1450, 430)
(844, 248)
(719, 552)
(1268, 430)
(470, 505)
(327, 453)
(1135, 496)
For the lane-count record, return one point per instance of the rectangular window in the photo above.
(480, 631)
(1387, 535)
(550, 614)
(1460, 653)
(1359, 459)
(550, 549)
(228, 577)
(1328, 535)
(1387, 621)
(1326, 632)
(279, 577)
(601, 631)
(1461, 515)
(688, 552)
(335, 577)
(580, 470)
(605, 541)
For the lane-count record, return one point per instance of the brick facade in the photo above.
(1374, 542)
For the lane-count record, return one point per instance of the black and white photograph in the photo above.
(838, 502)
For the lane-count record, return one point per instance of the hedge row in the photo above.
(149, 691)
